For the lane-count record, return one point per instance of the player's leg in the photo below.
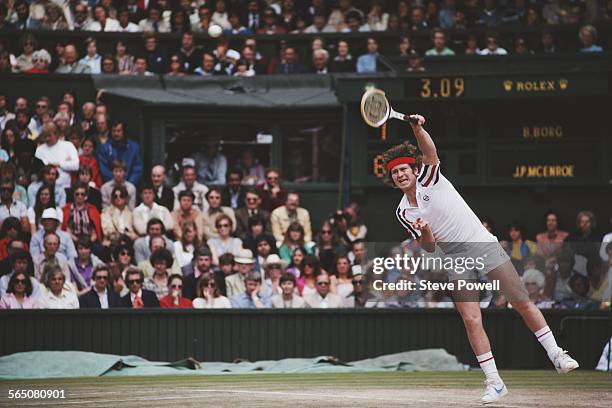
(472, 320)
(513, 289)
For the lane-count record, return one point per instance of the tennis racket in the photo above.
(375, 109)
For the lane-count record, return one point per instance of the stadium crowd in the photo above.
(84, 224)
(453, 27)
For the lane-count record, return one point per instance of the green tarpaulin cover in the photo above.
(60, 364)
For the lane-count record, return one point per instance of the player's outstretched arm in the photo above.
(426, 144)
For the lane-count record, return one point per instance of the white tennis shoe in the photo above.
(493, 392)
(564, 363)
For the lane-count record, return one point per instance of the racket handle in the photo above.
(404, 117)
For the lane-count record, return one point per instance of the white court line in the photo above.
(333, 397)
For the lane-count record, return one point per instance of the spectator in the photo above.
(251, 298)
(102, 22)
(142, 246)
(439, 42)
(88, 158)
(84, 175)
(186, 213)
(343, 61)
(8, 173)
(58, 295)
(81, 19)
(81, 217)
(215, 208)
(417, 20)
(200, 266)
(224, 243)
(174, 298)
(328, 246)
(558, 271)
(203, 23)
(123, 257)
(125, 61)
(19, 293)
(579, 298)
(492, 47)
(258, 229)
(552, 238)
(354, 23)
(366, 63)
(8, 140)
(235, 283)
(176, 68)
(585, 240)
(117, 219)
(123, 149)
(24, 20)
(18, 260)
(41, 60)
(556, 12)
(319, 61)
(163, 194)
(118, 179)
(358, 297)
(520, 46)
(377, 20)
(81, 268)
(251, 209)
(604, 244)
(252, 18)
(270, 23)
(233, 195)
(293, 238)
(271, 192)
(209, 296)
(9, 207)
(141, 66)
(11, 230)
(287, 299)
(50, 256)
(154, 23)
(532, 18)
(357, 255)
(50, 223)
(189, 183)
(26, 128)
(190, 55)
(356, 229)
(519, 248)
(58, 153)
(547, 43)
(282, 217)
(446, 15)
(491, 16)
(252, 171)
(323, 298)
(28, 45)
(155, 60)
(290, 63)
(236, 25)
(158, 270)
(125, 25)
(138, 297)
(588, 37)
(108, 65)
(101, 295)
(273, 268)
(212, 165)
(264, 245)
(534, 282)
(319, 21)
(296, 265)
(342, 277)
(71, 65)
(149, 209)
(337, 18)
(102, 134)
(184, 247)
(208, 66)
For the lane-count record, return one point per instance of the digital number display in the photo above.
(436, 88)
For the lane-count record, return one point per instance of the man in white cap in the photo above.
(50, 223)
(235, 283)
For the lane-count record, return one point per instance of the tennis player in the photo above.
(434, 213)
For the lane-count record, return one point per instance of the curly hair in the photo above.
(405, 149)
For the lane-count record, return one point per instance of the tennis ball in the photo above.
(215, 31)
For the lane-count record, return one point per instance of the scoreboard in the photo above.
(493, 129)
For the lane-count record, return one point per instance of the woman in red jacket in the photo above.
(80, 217)
(88, 158)
(174, 298)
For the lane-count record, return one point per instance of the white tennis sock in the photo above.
(547, 339)
(487, 363)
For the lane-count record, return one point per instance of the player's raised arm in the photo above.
(426, 144)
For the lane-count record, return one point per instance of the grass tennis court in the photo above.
(424, 389)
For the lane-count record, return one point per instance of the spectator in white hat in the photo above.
(273, 267)
(235, 283)
(50, 223)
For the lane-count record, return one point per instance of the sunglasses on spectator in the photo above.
(123, 253)
(223, 226)
(211, 285)
(177, 286)
(132, 281)
(251, 200)
(325, 231)
(272, 178)
(102, 277)
(323, 283)
(40, 106)
(20, 281)
(118, 196)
